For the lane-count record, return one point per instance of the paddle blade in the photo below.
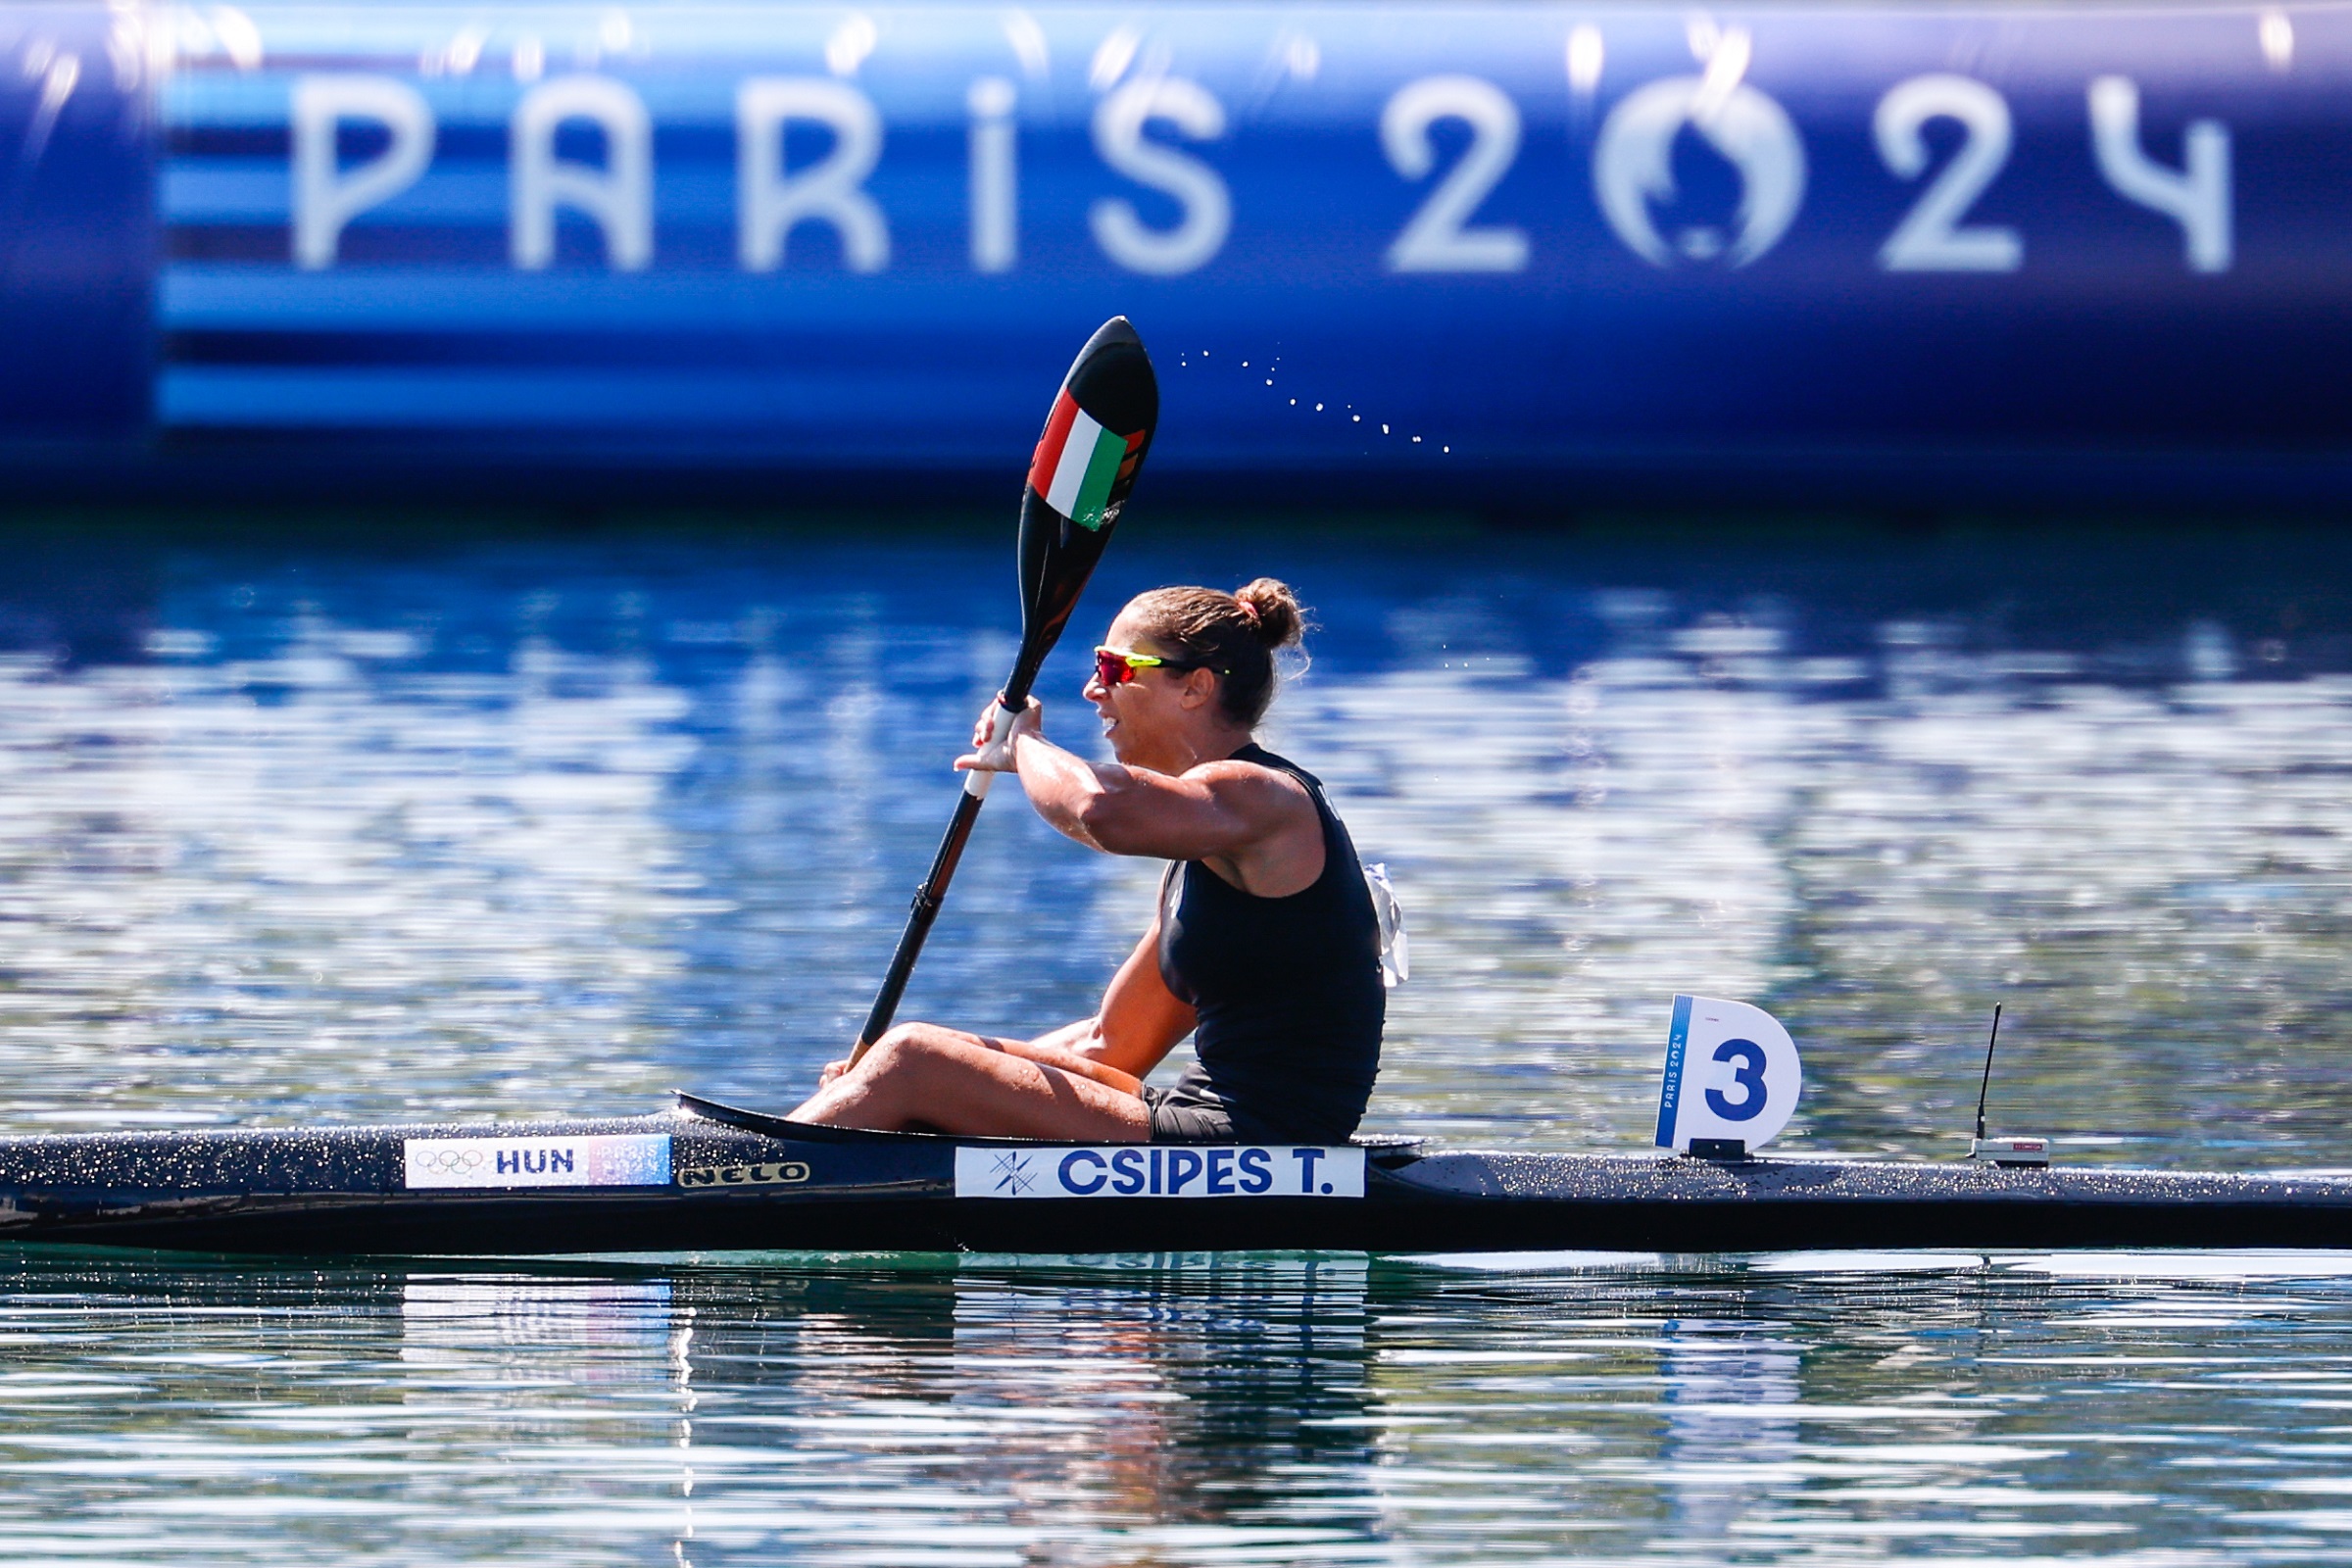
(1079, 479)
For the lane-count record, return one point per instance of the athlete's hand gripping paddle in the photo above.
(1085, 464)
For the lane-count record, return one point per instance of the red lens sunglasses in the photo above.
(1115, 667)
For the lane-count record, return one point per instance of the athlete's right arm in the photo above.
(1140, 1021)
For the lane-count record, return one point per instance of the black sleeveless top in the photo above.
(1288, 990)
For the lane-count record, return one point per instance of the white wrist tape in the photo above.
(997, 752)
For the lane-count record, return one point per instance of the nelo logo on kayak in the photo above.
(779, 1173)
(1142, 1170)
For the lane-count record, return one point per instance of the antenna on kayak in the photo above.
(1985, 1088)
(2015, 1148)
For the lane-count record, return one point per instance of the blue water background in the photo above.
(553, 823)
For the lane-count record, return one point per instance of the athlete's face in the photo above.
(1147, 716)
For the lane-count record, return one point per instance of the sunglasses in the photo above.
(1113, 667)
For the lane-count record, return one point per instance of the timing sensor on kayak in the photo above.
(2015, 1148)
(1730, 1081)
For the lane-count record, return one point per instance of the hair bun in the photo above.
(1273, 611)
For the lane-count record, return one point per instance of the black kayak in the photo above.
(706, 1177)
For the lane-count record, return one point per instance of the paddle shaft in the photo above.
(1055, 562)
(1094, 445)
(934, 888)
(927, 900)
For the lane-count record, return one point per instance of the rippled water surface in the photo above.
(1149, 1410)
(338, 823)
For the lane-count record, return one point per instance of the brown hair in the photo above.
(1233, 634)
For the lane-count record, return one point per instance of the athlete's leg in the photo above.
(1052, 1056)
(920, 1074)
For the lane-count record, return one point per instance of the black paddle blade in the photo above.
(1096, 437)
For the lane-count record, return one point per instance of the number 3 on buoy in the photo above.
(1732, 1071)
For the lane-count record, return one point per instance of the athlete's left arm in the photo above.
(1139, 1022)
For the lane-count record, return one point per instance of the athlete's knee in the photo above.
(905, 1048)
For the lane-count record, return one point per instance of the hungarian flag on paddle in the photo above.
(1084, 469)
(1080, 464)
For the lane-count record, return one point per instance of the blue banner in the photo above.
(1477, 247)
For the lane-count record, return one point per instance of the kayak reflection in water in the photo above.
(1265, 938)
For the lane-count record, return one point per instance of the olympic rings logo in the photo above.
(450, 1161)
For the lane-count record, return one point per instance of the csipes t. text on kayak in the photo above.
(703, 1177)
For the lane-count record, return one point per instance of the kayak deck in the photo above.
(687, 1181)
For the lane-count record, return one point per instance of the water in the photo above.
(1183, 1411)
(312, 825)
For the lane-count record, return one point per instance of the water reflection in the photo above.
(916, 1414)
(1732, 1402)
(1174, 1410)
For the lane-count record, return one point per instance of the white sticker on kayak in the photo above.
(1140, 1170)
(618, 1160)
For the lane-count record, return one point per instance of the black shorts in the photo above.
(1186, 1120)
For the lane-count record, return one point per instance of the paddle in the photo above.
(1079, 479)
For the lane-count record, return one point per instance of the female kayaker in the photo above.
(1265, 938)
